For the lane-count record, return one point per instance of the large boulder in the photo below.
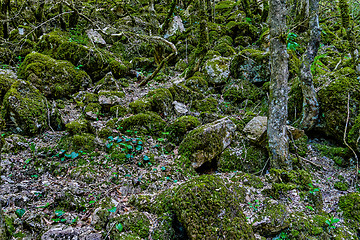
(252, 65)
(217, 70)
(60, 45)
(55, 79)
(206, 142)
(25, 109)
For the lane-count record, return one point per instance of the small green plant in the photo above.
(282, 235)
(313, 190)
(331, 222)
(310, 208)
(78, 67)
(291, 39)
(255, 205)
(33, 149)
(59, 214)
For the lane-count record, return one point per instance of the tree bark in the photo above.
(278, 107)
(310, 109)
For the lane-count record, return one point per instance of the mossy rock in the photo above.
(198, 204)
(5, 84)
(25, 109)
(159, 101)
(77, 127)
(197, 83)
(84, 141)
(333, 104)
(179, 128)
(118, 111)
(272, 219)
(342, 186)
(235, 29)
(243, 90)
(92, 111)
(109, 83)
(55, 79)
(164, 229)
(108, 99)
(224, 7)
(14, 144)
(350, 205)
(118, 69)
(217, 70)
(144, 123)
(206, 142)
(284, 181)
(136, 223)
(249, 159)
(340, 155)
(252, 65)
(56, 45)
(206, 105)
(225, 49)
(184, 94)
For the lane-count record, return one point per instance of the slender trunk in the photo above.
(5, 10)
(310, 109)
(277, 132)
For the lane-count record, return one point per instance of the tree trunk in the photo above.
(278, 107)
(310, 109)
(5, 10)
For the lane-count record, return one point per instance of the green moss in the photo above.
(333, 103)
(283, 181)
(197, 83)
(299, 146)
(179, 128)
(25, 109)
(53, 78)
(350, 205)
(5, 84)
(206, 105)
(225, 49)
(198, 203)
(84, 141)
(164, 230)
(184, 94)
(93, 107)
(159, 101)
(56, 44)
(133, 222)
(118, 69)
(224, 7)
(250, 159)
(339, 155)
(295, 103)
(248, 180)
(118, 111)
(244, 90)
(235, 29)
(91, 98)
(251, 65)
(342, 186)
(77, 127)
(144, 123)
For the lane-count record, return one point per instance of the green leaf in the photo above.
(138, 148)
(59, 213)
(20, 212)
(112, 210)
(146, 158)
(119, 227)
(335, 220)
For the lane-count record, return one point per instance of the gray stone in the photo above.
(217, 70)
(95, 37)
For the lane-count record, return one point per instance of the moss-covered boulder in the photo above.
(118, 68)
(94, 61)
(235, 29)
(197, 83)
(272, 219)
(350, 205)
(217, 70)
(25, 109)
(246, 158)
(77, 127)
(252, 65)
(136, 223)
(225, 49)
(55, 79)
(179, 128)
(207, 209)
(108, 99)
(333, 99)
(182, 91)
(206, 142)
(206, 105)
(159, 101)
(241, 91)
(144, 123)
(5, 84)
